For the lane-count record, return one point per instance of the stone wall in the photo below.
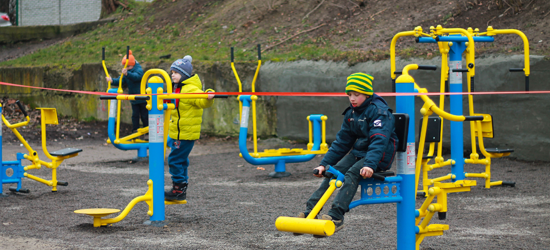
(520, 121)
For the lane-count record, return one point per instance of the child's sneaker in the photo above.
(338, 224)
(303, 215)
(178, 192)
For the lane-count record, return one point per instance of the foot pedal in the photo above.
(508, 183)
(442, 215)
(22, 190)
(62, 183)
(423, 194)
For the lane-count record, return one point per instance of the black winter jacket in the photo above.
(369, 130)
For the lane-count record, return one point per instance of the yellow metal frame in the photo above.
(428, 209)
(481, 129)
(48, 116)
(281, 151)
(98, 213)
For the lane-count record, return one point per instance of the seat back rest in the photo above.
(49, 115)
(433, 133)
(402, 130)
(487, 126)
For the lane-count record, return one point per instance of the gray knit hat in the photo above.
(183, 67)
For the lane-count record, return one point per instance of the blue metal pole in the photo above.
(455, 85)
(156, 153)
(1, 174)
(406, 238)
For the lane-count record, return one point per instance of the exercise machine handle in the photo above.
(473, 118)
(325, 173)
(460, 70)
(103, 53)
(21, 108)
(113, 97)
(378, 177)
(516, 70)
(427, 67)
(259, 52)
(232, 56)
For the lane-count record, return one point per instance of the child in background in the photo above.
(368, 134)
(185, 125)
(132, 78)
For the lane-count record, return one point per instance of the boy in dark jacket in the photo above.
(368, 131)
(132, 78)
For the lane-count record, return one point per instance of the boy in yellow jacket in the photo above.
(185, 125)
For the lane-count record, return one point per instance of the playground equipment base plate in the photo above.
(279, 174)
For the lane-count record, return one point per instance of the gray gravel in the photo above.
(234, 205)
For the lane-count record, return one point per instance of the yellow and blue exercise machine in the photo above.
(159, 117)
(412, 225)
(453, 42)
(13, 171)
(317, 130)
(132, 141)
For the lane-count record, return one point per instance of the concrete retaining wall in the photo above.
(520, 121)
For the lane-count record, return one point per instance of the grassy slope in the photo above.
(354, 30)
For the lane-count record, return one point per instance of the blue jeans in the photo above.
(178, 160)
(350, 166)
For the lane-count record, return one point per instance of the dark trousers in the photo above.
(350, 166)
(139, 111)
(178, 160)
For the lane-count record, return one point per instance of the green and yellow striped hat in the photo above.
(361, 83)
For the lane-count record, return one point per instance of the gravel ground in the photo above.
(234, 205)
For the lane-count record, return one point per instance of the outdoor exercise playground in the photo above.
(98, 196)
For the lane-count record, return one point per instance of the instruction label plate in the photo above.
(244, 119)
(406, 161)
(156, 128)
(112, 110)
(455, 77)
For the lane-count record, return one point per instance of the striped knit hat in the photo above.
(361, 83)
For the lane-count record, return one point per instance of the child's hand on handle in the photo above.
(320, 171)
(366, 172)
(109, 79)
(210, 96)
(125, 71)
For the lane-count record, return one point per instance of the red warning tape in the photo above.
(326, 94)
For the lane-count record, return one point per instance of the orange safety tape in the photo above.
(318, 94)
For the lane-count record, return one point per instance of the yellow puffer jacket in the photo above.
(186, 119)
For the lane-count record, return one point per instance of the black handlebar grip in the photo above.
(398, 72)
(325, 173)
(21, 108)
(427, 67)
(107, 97)
(221, 96)
(103, 53)
(459, 70)
(259, 52)
(127, 52)
(141, 97)
(526, 83)
(516, 70)
(378, 177)
(232, 57)
(62, 183)
(474, 118)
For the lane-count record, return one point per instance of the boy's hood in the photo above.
(193, 80)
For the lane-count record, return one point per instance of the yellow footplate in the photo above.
(175, 202)
(305, 226)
